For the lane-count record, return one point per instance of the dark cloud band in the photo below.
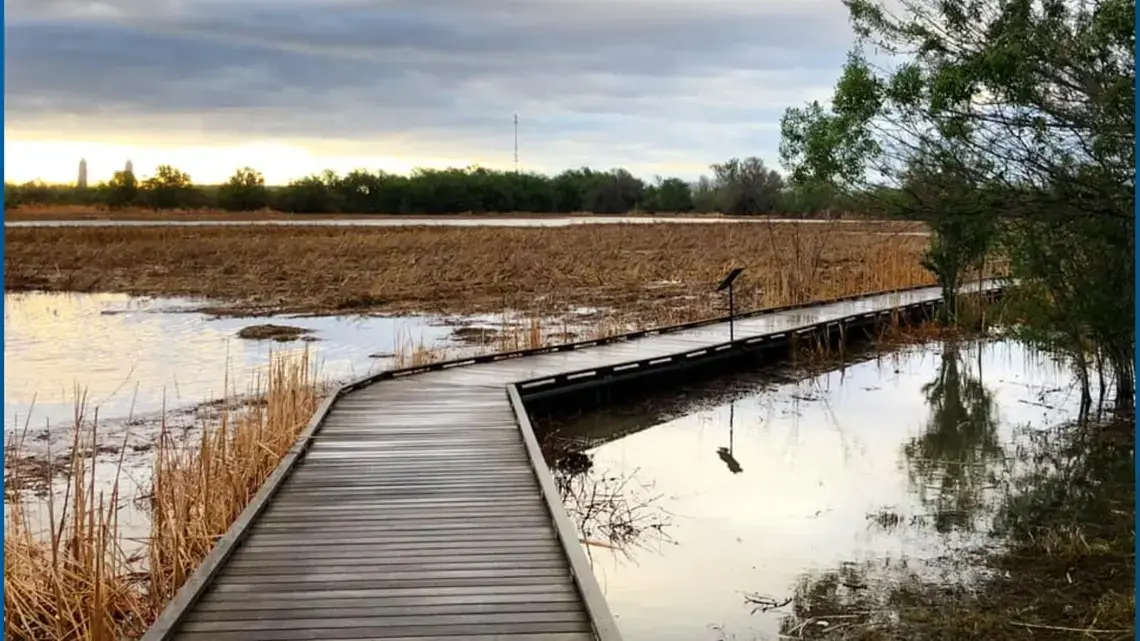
(628, 72)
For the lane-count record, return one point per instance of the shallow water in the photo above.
(135, 356)
(740, 499)
(132, 355)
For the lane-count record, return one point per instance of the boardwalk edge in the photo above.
(605, 627)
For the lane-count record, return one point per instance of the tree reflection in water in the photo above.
(952, 468)
(1060, 501)
(952, 463)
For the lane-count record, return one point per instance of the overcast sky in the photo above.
(292, 86)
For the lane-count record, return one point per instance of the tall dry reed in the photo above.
(68, 578)
(199, 491)
(66, 575)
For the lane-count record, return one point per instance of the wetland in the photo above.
(893, 494)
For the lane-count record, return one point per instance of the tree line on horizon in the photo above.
(736, 187)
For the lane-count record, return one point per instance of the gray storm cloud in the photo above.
(628, 74)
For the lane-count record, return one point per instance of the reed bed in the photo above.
(658, 272)
(70, 579)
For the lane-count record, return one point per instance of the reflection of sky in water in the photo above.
(128, 353)
(818, 457)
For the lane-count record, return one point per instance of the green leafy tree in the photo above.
(614, 192)
(669, 195)
(12, 197)
(122, 190)
(244, 191)
(705, 199)
(315, 194)
(168, 188)
(1032, 103)
(962, 221)
(747, 186)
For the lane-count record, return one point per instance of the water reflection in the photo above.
(135, 355)
(914, 437)
(1065, 517)
(615, 512)
(726, 453)
(952, 462)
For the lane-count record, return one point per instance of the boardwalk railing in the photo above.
(604, 627)
(608, 340)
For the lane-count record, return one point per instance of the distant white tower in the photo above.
(82, 181)
(130, 168)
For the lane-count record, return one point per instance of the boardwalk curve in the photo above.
(416, 503)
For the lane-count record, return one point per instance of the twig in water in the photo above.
(1061, 628)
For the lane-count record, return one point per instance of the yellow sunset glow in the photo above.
(57, 161)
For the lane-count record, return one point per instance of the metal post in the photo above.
(729, 283)
(731, 313)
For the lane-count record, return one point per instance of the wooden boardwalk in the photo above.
(416, 505)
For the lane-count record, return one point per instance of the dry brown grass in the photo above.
(70, 580)
(661, 272)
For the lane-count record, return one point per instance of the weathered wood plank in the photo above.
(441, 564)
(323, 623)
(505, 631)
(410, 504)
(411, 546)
(390, 595)
(441, 603)
(442, 525)
(546, 557)
(427, 612)
(233, 582)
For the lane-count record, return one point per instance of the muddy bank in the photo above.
(279, 333)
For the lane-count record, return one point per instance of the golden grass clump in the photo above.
(656, 272)
(69, 579)
(200, 491)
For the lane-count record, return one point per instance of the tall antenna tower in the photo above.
(516, 143)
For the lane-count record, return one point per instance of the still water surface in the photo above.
(735, 501)
(132, 355)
